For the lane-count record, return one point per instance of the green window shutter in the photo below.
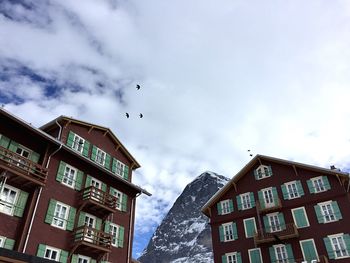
(285, 192)
(250, 227)
(255, 256)
(218, 205)
(104, 187)
(269, 170)
(221, 234)
(300, 218)
(74, 258)
(311, 187)
(281, 220)
(234, 228)
(21, 204)
(78, 180)
(13, 146)
(98, 223)
(112, 190)
(272, 254)
(34, 157)
(336, 210)
(88, 181)
(261, 199)
(4, 141)
(71, 218)
(126, 172)
(107, 226)
(309, 250)
(239, 202)
(60, 171)
(326, 182)
(86, 148)
(9, 243)
(107, 161)
(230, 203)
(121, 237)
(224, 259)
(256, 175)
(41, 250)
(319, 215)
(93, 152)
(93, 260)
(275, 195)
(346, 238)
(266, 224)
(329, 248)
(252, 199)
(290, 253)
(124, 202)
(114, 165)
(50, 211)
(63, 256)
(70, 139)
(300, 188)
(81, 220)
(239, 258)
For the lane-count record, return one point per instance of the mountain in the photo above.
(184, 235)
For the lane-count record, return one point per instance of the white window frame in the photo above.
(262, 172)
(315, 181)
(76, 143)
(233, 256)
(88, 259)
(52, 249)
(283, 252)
(71, 168)
(119, 168)
(2, 238)
(4, 203)
(97, 158)
(292, 193)
(114, 231)
(245, 229)
(250, 260)
(275, 227)
(225, 206)
(227, 237)
(246, 203)
(295, 221)
(323, 212)
(301, 247)
(119, 195)
(269, 190)
(336, 236)
(60, 219)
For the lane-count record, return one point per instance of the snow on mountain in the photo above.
(184, 234)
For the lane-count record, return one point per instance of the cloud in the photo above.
(216, 80)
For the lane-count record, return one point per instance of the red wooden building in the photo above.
(66, 191)
(275, 210)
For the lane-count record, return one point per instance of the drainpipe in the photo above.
(37, 202)
(130, 224)
(60, 131)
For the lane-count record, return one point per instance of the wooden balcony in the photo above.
(263, 208)
(91, 240)
(98, 201)
(24, 169)
(265, 235)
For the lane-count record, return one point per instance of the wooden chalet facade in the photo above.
(275, 210)
(66, 191)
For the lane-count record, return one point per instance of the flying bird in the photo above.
(127, 115)
(141, 115)
(138, 86)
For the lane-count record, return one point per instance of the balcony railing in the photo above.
(100, 197)
(263, 207)
(276, 233)
(92, 237)
(22, 166)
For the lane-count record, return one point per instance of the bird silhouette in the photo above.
(141, 115)
(138, 86)
(127, 115)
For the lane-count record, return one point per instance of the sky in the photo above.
(217, 78)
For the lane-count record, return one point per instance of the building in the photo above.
(66, 191)
(275, 210)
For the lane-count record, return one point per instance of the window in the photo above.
(249, 227)
(231, 258)
(2, 241)
(225, 207)
(318, 184)
(60, 215)
(246, 201)
(69, 176)
(120, 169)
(52, 253)
(274, 223)
(267, 197)
(327, 212)
(100, 156)
(262, 171)
(339, 246)
(300, 217)
(119, 197)
(228, 232)
(78, 143)
(281, 254)
(255, 255)
(8, 198)
(309, 250)
(83, 259)
(114, 231)
(292, 190)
